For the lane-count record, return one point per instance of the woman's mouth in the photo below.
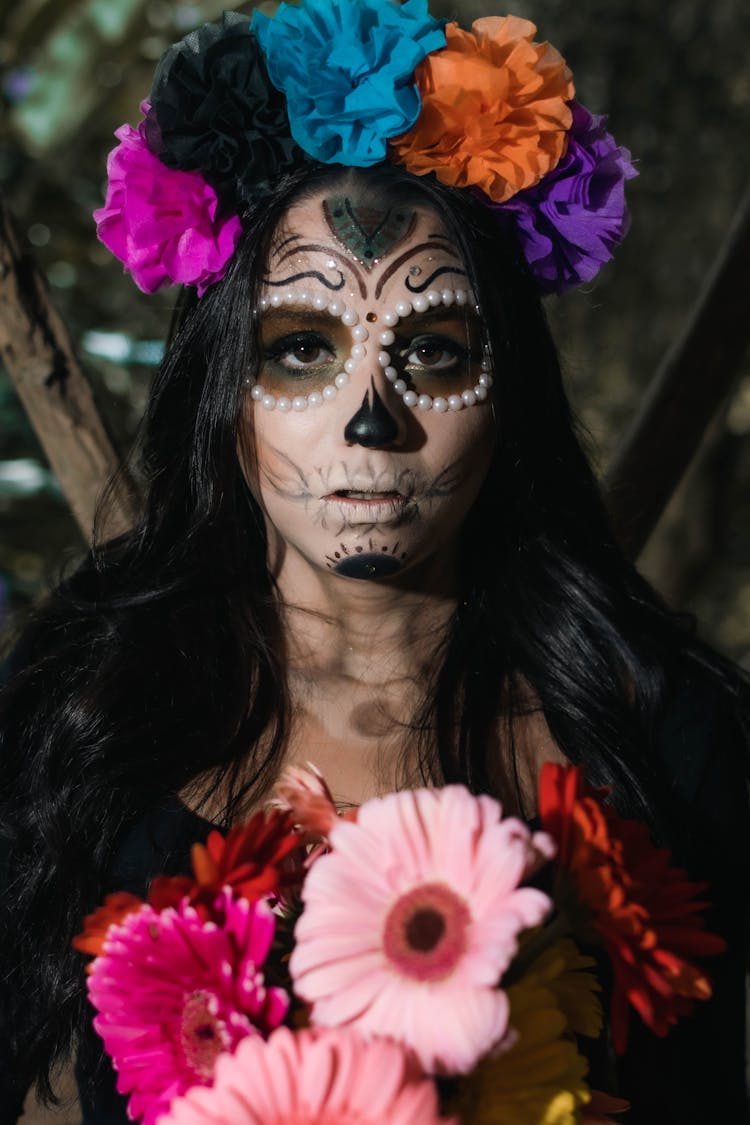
(369, 496)
(368, 505)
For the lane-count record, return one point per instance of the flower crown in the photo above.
(235, 105)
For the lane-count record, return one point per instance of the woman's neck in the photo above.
(356, 631)
(359, 657)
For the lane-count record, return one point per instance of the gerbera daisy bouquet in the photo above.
(420, 959)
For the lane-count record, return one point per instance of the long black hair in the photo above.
(161, 659)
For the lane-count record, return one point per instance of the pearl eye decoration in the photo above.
(383, 339)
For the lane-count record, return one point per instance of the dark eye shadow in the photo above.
(299, 336)
(286, 321)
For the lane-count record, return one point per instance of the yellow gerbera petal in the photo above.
(565, 971)
(539, 1080)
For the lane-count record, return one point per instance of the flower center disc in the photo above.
(426, 931)
(203, 1034)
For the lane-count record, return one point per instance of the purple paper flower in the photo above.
(164, 225)
(571, 221)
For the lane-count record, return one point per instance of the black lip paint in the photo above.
(368, 566)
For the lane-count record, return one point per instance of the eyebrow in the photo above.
(391, 269)
(316, 248)
(283, 312)
(435, 312)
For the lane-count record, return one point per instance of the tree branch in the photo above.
(37, 352)
(686, 393)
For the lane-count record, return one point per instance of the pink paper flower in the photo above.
(312, 1078)
(173, 992)
(412, 918)
(164, 225)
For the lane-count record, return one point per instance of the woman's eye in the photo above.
(301, 351)
(437, 354)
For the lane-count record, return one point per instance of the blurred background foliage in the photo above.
(675, 80)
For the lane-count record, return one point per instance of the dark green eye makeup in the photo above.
(433, 357)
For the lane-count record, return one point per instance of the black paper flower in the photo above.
(215, 110)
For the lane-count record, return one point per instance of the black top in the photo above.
(159, 845)
(694, 1076)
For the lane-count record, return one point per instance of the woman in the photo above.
(370, 538)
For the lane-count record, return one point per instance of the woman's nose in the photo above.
(376, 425)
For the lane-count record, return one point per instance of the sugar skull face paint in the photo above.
(366, 455)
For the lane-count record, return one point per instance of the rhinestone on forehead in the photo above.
(360, 334)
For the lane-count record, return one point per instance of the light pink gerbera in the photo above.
(412, 918)
(312, 1078)
(173, 992)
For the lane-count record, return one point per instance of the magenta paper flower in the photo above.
(173, 992)
(163, 224)
(412, 918)
(312, 1078)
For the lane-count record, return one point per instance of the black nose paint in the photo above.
(373, 426)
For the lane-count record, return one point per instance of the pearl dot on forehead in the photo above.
(348, 316)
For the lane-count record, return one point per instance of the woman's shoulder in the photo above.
(702, 742)
(700, 731)
(158, 843)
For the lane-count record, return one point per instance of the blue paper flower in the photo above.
(347, 70)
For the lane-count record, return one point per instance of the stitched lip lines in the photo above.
(361, 494)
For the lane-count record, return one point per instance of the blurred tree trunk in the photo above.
(685, 395)
(37, 352)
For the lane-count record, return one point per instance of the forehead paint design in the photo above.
(443, 245)
(366, 564)
(366, 231)
(290, 247)
(373, 426)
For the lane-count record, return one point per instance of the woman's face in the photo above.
(370, 418)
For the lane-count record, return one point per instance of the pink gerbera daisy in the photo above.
(412, 918)
(312, 1077)
(172, 992)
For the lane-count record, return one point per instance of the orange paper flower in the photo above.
(494, 109)
(642, 908)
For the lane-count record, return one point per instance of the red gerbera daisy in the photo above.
(256, 859)
(643, 908)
